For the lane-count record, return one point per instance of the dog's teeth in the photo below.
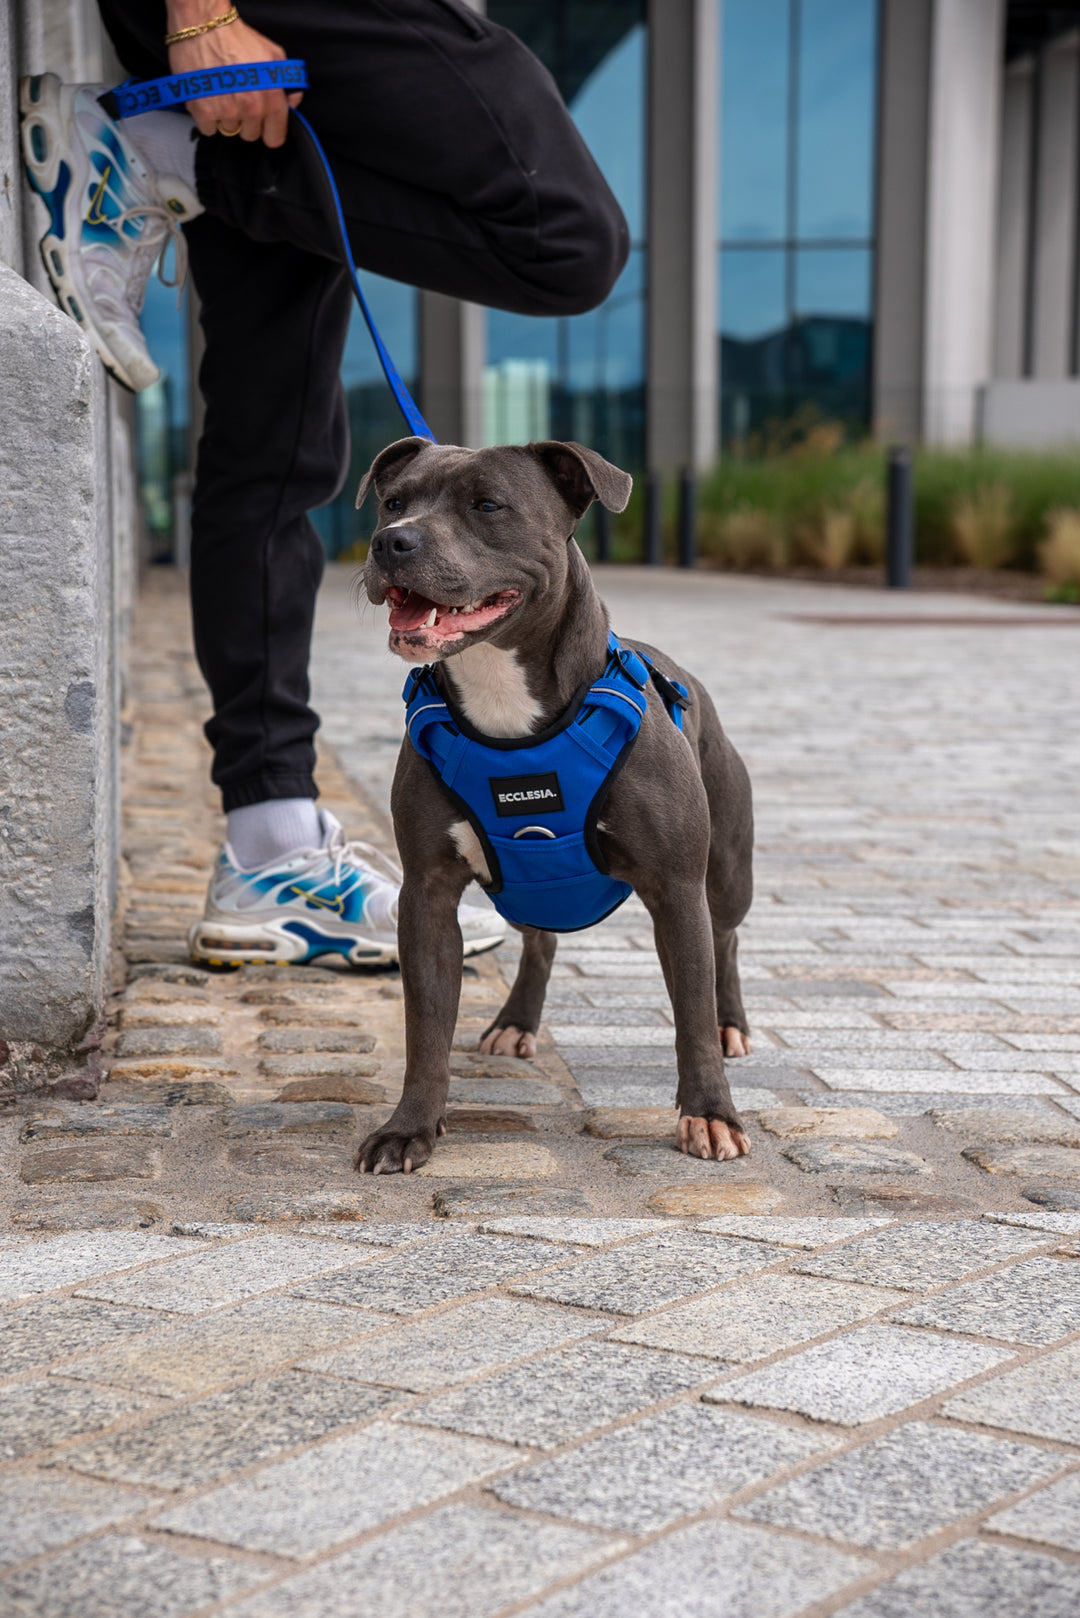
(431, 617)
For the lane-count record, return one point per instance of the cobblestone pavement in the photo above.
(563, 1370)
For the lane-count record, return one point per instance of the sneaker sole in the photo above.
(214, 943)
(50, 173)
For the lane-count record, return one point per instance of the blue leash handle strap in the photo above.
(147, 95)
(150, 95)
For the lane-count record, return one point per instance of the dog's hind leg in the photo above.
(729, 882)
(513, 1033)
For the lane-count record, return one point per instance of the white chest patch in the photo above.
(469, 847)
(492, 690)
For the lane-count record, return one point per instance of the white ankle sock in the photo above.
(260, 832)
(166, 143)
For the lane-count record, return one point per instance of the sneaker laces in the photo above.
(353, 850)
(157, 211)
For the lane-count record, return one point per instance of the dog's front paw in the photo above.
(397, 1151)
(508, 1041)
(711, 1137)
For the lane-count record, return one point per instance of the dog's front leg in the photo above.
(429, 948)
(709, 1126)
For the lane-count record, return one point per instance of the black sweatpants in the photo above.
(461, 171)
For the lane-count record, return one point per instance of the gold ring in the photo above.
(229, 132)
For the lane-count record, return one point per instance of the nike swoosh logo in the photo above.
(336, 905)
(94, 215)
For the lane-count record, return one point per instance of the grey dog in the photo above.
(475, 552)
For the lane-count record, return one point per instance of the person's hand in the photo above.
(255, 114)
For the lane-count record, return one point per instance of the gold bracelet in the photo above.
(232, 15)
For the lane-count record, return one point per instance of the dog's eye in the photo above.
(486, 506)
(392, 503)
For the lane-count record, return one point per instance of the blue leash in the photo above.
(147, 95)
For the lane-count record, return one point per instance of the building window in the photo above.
(797, 155)
(583, 376)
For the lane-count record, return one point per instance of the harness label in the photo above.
(527, 794)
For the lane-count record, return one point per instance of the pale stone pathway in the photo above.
(839, 1377)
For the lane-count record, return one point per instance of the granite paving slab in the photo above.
(658, 1270)
(808, 1233)
(372, 1233)
(853, 1157)
(476, 1562)
(458, 1266)
(665, 1160)
(912, 1104)
(205, 1440)
(505, 1092)
(902, 1486)
(872, 1372)
(471, 1201)
(455, 1345)
(190, 1356)
(916, 1256)
(90, 1162)
(544, 1403)
(40, 1511)
(907, 1079)
(37, 1415)
(664, 1467)
(61, 1261)
(1041, 1398)
(709, 1569)
(169, 1042)
(850, 1123)
(79, 1123)
(1036, 1301)
(579, 1232)
(1058, 1224)
(224, 1275)
(509, 1160)
(976, 1580)
(754, 1318)
(1049, 1517)
(312, 1501)
(122, 1577)
(290, 1118)
(1028, 1162)
(46, 1330)
(1009, 1125)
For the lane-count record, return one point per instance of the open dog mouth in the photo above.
(434, 624)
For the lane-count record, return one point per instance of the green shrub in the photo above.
(826, 502)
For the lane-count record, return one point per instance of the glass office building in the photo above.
(796, 208)
(842, 211)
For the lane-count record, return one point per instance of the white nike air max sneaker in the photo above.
(109, 218)
(340, 899)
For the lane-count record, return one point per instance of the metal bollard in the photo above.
(603, 532)
(899, 520)
(687, 518)
(652, 538)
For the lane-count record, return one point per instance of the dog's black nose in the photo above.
(396, 541)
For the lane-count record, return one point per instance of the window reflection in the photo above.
(799, 86)
(837, 47)
(753, 147)
(582, 377)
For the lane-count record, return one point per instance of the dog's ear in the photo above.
(582, 476)
(394, 458)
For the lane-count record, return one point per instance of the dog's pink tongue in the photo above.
(414, 610)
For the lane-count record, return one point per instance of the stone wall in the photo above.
(67, 529)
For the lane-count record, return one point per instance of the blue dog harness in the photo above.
(534, 802)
